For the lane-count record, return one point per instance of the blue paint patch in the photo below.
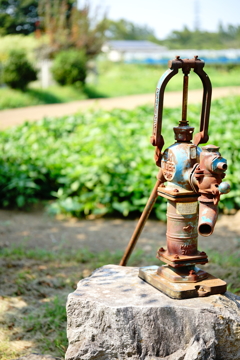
(204, 219)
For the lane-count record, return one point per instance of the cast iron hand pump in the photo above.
(190, 178)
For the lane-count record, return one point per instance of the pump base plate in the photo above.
(180, 290)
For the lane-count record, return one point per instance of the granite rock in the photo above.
(114, 314)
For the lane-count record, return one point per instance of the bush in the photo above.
(69, 67)
(18, 71)
(102, 162)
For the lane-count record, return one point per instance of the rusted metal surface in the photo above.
(184, 101)
(182, 232)
(185, 274)
(186, 65)
(189, 176)
(183, 290)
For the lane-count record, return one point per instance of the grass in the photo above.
(11, 98)
(35, 284)
(114, 80)
(129, 79)
(34, 288)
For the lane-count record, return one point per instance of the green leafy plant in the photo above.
(101, 162)
(70, 68)
(18, 71)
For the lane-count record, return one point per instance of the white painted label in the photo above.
(186, 208)
(193, 152)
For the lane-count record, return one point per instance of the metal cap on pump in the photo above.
(183, 133)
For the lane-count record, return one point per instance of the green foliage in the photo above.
(13, 98)
(28, 44)
(18, 16)
(126, 30)
(129, 79)
(18, 72)
(224, 38)
(101, 162)
(70, 26)
(52, 318)
(69, 67)
(137, 79)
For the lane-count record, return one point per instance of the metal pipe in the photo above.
(141, 222)
(208, 213)
(184, 101)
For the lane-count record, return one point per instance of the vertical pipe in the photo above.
(184, 101)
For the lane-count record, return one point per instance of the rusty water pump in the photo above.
(190, 178)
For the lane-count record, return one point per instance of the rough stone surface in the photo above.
(115, 315)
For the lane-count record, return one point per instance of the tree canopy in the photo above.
(18, 16)
(127, 30)
(224, 38)
(70, 26)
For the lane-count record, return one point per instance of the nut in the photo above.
(192, 272)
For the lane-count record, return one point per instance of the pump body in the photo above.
(191, 180)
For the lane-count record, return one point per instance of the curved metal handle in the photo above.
(202, 137)
(186, 65)
(156, 138)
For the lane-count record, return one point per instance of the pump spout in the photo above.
(208, 213)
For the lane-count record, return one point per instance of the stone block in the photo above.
(114, 314)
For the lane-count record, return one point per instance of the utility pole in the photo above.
(197, 24)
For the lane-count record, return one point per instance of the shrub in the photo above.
(101, 162)
(69, 67)
(18, 71)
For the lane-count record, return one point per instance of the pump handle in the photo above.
(186, 65)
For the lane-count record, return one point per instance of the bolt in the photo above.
(177, 57)
(176, 256)
(175, 190)
(192, 272)
(202, 253)
(202, 289)
(153, 140)
(161, 249)
(162, 185)
(188, 228)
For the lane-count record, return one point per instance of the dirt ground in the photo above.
(37, 229)
(28, 285)
(171, 99)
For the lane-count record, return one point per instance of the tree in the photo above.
(18, 72)
(222, 39)
(69, 26)
(69, 67)
(18, 16)
(127, 30)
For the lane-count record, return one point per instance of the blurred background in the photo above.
(74, 183)
(107, 42)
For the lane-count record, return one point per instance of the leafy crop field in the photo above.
(99, 162)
